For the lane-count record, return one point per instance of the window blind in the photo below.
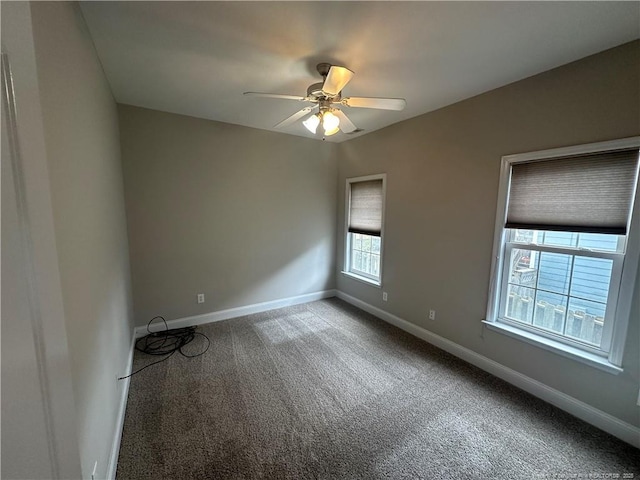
(365, 212)
(587, 193)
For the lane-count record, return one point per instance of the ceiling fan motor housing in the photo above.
(315, 91)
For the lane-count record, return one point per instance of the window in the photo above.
(566, 249)
(364, 222)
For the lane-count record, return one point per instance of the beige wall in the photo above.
(442, 182)
(37, 396)
(83, 152)
(242, 215)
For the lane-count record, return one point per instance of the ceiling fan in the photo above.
(327, 96)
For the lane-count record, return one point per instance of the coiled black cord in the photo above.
(167, 342)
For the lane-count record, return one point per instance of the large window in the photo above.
(364, 225)
(566, 249)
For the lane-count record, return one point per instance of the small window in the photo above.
(566, 249)
(364, 227)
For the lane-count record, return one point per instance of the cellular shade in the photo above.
(365, 212)
(588, 193)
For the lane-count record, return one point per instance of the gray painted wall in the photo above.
(242, 215)
(442, 182)
(83, 152)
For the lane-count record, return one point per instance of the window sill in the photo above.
(368, 281)
(555, 347)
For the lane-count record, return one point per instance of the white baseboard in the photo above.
(610, 424)
(117, 437)
(240, 311)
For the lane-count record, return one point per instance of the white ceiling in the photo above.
(197, 58)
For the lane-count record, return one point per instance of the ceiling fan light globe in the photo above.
(330, 122)
(312, 123)
(328, 133)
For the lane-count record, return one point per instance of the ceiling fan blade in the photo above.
(275, 95)
(346, 125)
(370, 102)
(336, 79)
(294, 117)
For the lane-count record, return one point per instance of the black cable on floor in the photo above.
(167, 342)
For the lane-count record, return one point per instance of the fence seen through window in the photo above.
(562, 293)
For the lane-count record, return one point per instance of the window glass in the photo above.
(562, 293)
(365, 254)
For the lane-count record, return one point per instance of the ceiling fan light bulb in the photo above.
(312, 123)
(328, 133)
(330, 122)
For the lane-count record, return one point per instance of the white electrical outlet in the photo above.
(201, 298)
(384, 296)
(95, 469)
(432, 314)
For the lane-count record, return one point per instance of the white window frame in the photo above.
(625, 266)
(358, 275)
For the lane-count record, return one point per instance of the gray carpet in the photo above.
(324, 390)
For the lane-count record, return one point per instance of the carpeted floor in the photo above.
(325, 391)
